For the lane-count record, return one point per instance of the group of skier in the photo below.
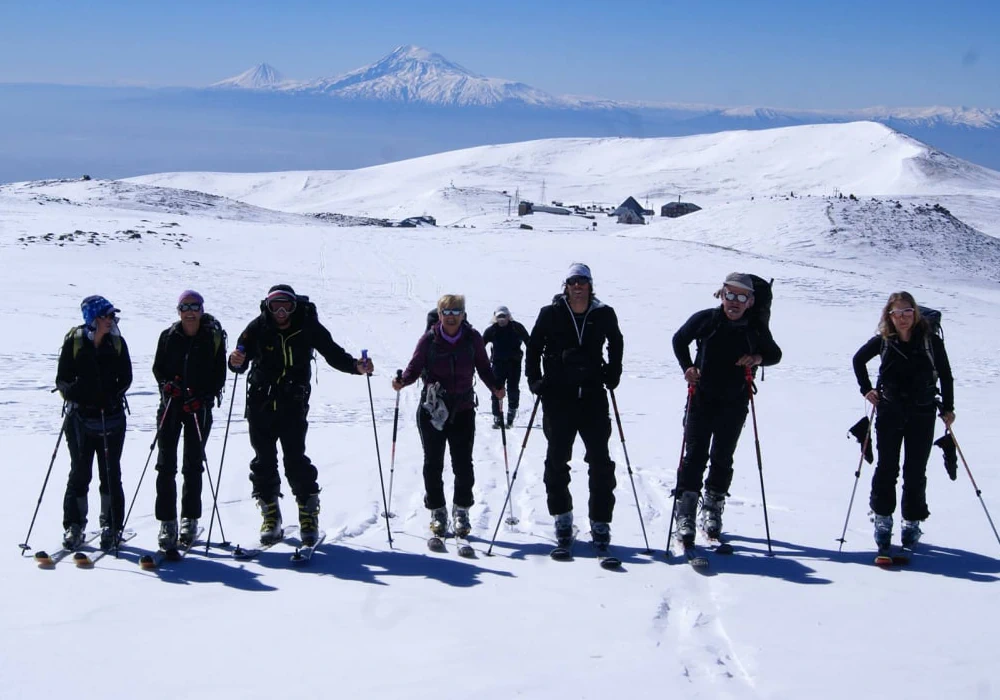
(573, 360)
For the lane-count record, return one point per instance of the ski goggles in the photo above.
(192, 306)
(901, 312)
(733, 296)
(452, 312)
(281, 306)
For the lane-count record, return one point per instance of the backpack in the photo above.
(933, 318)
(762, 298)
(219, 335)
(78, 336)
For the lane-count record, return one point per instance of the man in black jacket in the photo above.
(566, 367)
(94, 373)
(505, 336)
(730, 339)
(190, 368)
(279, 346)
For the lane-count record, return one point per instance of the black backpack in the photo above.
(763, 296)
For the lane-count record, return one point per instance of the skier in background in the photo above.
(506, 336)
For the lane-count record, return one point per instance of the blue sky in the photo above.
(780, 53)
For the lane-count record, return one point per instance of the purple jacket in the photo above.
(454, 366)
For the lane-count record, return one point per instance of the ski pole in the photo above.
(392, 458)
(680, 463)
(628, 465)
(107, 480)
(211, 484)
(511, 520)
(24, 547)
(979, 493)
(222, 459)
(152, 446)
(760, 464)
(857, 475)
(378, 456)
(513, 478)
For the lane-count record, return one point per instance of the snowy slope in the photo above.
(367, 620)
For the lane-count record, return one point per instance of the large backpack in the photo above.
(762, 298)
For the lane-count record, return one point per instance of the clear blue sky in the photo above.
(782, 53)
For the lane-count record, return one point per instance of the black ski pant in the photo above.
(563, 419)
(508, 375)
(192, 465)
(459, 435)
(86, 437)
(901, 426)
(282, 421)
(714, 424)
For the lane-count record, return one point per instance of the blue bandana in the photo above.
(93, 307)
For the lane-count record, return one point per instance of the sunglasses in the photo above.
(452, 312)
(110, 316)
(281, 306)
(901, 312)
(733, 296)
(194, 306)
(577, 280)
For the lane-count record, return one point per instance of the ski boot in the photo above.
(600, 533)
(911, 533)
(511, 414)
(497, 422)
(270, 527)
(883, 531)
(309, 520)
(188, 532)
(684, 512)
(109, 538)
(460, 521)
(564, 528)
(167, 539)
(712, 504)
(73, 537)
(439, 521)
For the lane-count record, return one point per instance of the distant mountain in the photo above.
(260, 77)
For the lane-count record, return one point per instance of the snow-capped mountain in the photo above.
(260, 77)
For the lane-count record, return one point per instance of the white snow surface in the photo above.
(368, 620)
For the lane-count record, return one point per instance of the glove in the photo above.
(611, 378)
(192, 405)
(171, 389)
(537, 387)
(862, 433)
(947, 445)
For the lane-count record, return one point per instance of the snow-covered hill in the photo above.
(260, 77)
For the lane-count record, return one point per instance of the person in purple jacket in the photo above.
(447, 358)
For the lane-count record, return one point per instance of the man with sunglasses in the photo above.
(94, 373)
(190, 368)
(730, 338)
(565, 365)
(279, 345)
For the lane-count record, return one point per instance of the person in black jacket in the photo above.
(730, 339)
(566, 367)
(279, 347)
(190, 368)
(94, 373)
(505, 336)
(914, 360)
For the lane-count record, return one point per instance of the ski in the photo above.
(884, 556)
(303, 554)
(436, 544)
(605, 558)
(464, 548)
(563, 551)
(691, 554)
(718, 545)
(241, 554)
(85, 561)
(44, 560)
(150, 562)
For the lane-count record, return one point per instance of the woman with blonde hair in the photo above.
(447, 358)
(913, 363)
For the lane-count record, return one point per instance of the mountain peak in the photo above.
(259, 77)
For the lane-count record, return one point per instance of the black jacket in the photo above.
(280, 359)
(908, 373)
(94, 378)
(570, 349)
(199, 360)
(721, 343)
(506, 342)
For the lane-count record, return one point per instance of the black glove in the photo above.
(537, 387)
(947, 445)
(611, 378)
(192, 405)
(862, 434)
(172, 389)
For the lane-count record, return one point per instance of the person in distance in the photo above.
(506, 335)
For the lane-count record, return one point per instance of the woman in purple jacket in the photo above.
(447, 358)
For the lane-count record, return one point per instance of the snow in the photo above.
(367, 620)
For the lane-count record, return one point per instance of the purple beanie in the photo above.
(190, 294)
